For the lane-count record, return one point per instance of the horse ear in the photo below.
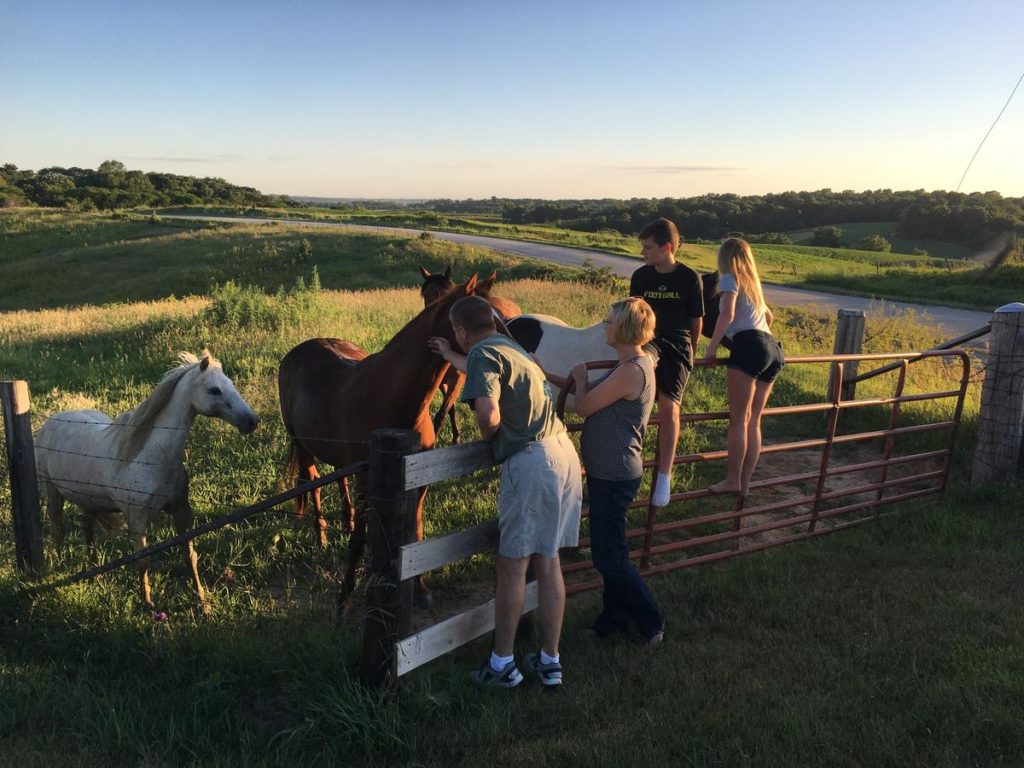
(471, 285)
(204, 363)
(424, 272)
(486, 285)
(448, 273)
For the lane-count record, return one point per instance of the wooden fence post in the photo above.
(21, 460)
(391, 524)
(849, 341)
(999, 454)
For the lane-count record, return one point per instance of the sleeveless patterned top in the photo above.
(613, 437)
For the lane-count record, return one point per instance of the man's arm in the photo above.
(488, 415)
(440, 345)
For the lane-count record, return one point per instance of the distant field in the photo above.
(853, 233)
(63, 258)
(53, 259)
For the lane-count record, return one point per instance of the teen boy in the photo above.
(674, 292)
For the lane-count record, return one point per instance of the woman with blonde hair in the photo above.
(616, 409)
(743, 327)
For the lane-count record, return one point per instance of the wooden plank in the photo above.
(435, 641)
(426, 555)
(849, 341)
(999, 455)
(431, 467)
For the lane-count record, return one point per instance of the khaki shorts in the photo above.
(540, 498)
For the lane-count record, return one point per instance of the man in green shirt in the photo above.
(541, 493)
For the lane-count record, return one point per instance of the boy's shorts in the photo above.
(540, 498)
(673, 368)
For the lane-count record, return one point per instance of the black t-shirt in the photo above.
(676, 298)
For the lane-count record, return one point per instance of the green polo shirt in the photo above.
(497, 367)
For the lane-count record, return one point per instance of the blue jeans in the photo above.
(627, 598)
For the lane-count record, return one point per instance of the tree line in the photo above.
(112, 185)
(967, 219)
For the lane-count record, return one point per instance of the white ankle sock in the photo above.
(662, 490)
(545, 659)
(498, 663)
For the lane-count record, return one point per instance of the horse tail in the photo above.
(291, 475)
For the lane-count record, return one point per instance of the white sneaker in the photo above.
(662, 490)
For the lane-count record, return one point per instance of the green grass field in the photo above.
(853, 233)
(898, 643)
(887, 276)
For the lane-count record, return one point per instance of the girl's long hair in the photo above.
(735, 256)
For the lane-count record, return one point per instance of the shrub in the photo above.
(875, 243)
(249, 308)
(829, 237)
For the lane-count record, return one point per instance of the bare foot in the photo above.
(725, 487)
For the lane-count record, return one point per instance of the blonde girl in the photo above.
(743, 327)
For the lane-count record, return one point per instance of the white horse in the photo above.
(133, 464)
(560, 346)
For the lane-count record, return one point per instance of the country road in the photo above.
(954, 322)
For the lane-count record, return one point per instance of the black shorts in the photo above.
(673, 368)
(757, 354)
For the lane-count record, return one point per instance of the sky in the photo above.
(553, 99)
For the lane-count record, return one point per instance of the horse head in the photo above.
(435, 285)
(214, 394)
(440, 321)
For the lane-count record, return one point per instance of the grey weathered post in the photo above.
(392, 523)
(849, 341)
(1001, 422)
(21, 460)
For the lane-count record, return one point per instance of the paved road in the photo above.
(954, 322)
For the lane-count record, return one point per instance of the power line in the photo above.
(990, 131)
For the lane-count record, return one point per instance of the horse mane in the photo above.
(133, 425)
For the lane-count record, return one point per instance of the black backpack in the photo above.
(709, 285)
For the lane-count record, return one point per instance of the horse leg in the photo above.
(423, 598)
(451, 386)
(308, 474)
(143, 568)
(357, 542)
(182, 514)
(348, 509)
(443, 388)
(89, 533)
(55, 511)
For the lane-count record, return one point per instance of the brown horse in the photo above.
(330, 403)
(306, 471)
(434, 287)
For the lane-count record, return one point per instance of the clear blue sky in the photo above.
(526, 99)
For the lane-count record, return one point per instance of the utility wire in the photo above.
(990, 131)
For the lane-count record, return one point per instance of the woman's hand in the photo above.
(579, 371)
(711, 353)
